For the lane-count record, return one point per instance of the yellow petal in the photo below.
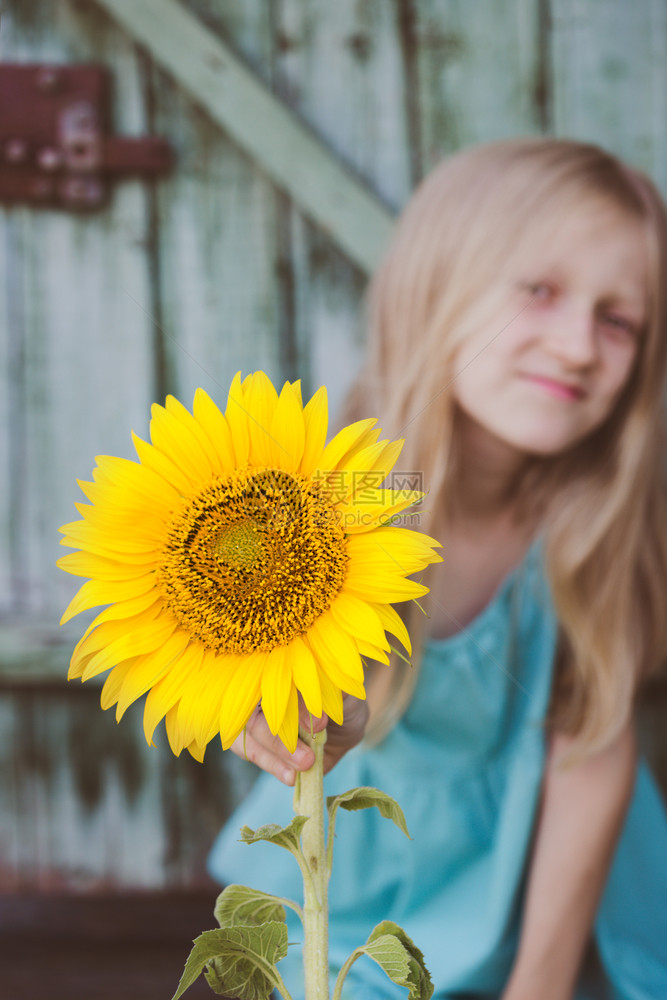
(369, 437)
(371, 651)
(108, 550)
(217, 429)
(82, 534)
(236, 416)
(342, 443)
(276, 687)
(331, 660)
(193, 427)
(375, 509)
(260, 399)
(113, 683)
(142, 609)
(96, 592)
(242, 696)
(289, 730)
(398, 544)
(137, 481)
(288, 433)
(96, 636)
(174, 735)
(306, 675)
(364, 459)
(296, 386)
(393, 623)
(335, 645)
(197, 751)
(359, 619)
(385, 557)
(366, 470)
(148, 670)
(171, 437)
(148, 528)
(315, 418)
(353, 476)
(167, 691)
(154, 459)
(332, 698)
(380, 591)
(390, 455)
(100, 568)
(138, 642)
(199, 707)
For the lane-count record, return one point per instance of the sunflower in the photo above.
(242, 561)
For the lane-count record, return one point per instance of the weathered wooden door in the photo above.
(239, 259)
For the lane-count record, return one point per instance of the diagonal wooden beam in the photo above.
(260, 124)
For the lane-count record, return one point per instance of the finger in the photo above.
(262, 748)
(266, 759)
(309, 723)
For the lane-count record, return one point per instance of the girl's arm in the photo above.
(582, 811)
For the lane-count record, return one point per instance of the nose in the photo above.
(572, 337)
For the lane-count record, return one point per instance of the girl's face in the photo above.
(551, 365)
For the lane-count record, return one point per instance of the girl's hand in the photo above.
(265, 750)
(340, 739)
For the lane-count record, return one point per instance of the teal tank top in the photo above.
(465, 763)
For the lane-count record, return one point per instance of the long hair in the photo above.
(602, 503)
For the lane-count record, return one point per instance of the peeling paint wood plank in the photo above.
(217, 271)
(86, 805)
(32, 652)
(610, 78)
(87, 347)
(364, 122)
(10, 829)
(357, 46)
(295, 159)
(88, 818)
(478, 72)
(9, 432)
(216, 260)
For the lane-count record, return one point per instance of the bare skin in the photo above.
(583, 804)
(269, 753)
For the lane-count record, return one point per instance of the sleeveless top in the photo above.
(465, 763)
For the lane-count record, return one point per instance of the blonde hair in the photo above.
(601, 504)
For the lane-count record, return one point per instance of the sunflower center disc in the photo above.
(238, 546)
(252, 560)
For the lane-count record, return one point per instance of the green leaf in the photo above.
(284, 836)
(241, 960)
(237, 904)
(364, 798)
(214, 976)
(399, 957)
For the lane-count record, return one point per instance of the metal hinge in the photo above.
(56, 146)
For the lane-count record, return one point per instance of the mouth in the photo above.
(554, 387)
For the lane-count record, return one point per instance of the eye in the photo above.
(541, 291)
(620, 324)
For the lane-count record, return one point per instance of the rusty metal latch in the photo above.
(56, 147)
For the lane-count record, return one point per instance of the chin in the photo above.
(546, 445)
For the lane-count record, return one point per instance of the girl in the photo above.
(519, 341)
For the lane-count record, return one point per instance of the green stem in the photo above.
(309, 801)
(357, 953)
(291, 905)
(280, 986)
